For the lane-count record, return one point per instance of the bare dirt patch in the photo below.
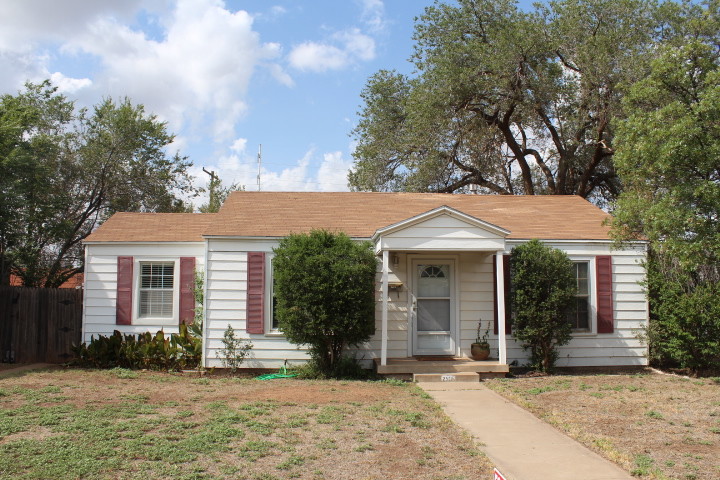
(177, 426)
(10, 366)
(655, 426)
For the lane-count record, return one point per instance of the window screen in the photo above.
(156, 289)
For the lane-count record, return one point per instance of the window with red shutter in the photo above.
(123, 302)
(255, 307)
(187, 287)
(605, 311)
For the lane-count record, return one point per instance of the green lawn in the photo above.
(120, 424)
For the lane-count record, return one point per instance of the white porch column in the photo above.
(500, 279)
(384, 328)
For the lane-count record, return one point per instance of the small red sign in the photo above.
(497, 475)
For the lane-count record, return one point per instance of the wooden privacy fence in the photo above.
(39, 324)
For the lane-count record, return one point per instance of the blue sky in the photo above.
(227, 76)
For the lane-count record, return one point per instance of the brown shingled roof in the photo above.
(153, 227)
(360, 214)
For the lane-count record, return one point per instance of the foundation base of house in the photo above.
(449, 366)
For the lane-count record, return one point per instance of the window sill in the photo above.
(583, 333)
(163, 321)
(274, 333)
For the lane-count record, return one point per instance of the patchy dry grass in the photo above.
(654, 426)
(126, 425)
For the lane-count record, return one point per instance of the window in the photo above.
(579, 314)
(156, 289)
(271, 321)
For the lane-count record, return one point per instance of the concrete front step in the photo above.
(412, 365)
(447, 377)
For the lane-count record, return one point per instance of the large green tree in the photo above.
(64, 170)
(669, 161)
(510, 101)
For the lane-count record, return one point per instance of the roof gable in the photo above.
(444, 218)
(441, 228)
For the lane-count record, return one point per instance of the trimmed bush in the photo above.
(543, 287)
(324, 287)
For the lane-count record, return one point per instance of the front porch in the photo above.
(416, 366)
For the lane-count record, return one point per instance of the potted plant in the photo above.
(480, 349)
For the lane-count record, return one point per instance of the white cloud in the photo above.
(281, 75)
(278, 10)
(373, 15)
(31, 22)
(201, 67)
(239, 145)
(343, 49)
(192, 67)
(332, 174)
(308, 173)
(317, 57)
(358, 44)
(67, 84)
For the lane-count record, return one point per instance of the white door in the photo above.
(433, 307)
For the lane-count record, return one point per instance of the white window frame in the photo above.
(592, 296)
(269, 330)
(159, 321)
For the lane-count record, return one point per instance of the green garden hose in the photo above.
(281, 374)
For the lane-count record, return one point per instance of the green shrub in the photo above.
(157, 352)
(543, 287)
(684, 329)
(324, 287)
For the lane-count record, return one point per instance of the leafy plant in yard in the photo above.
(234, 349)
(684, 329)
(543, 287)
(324, 286)
(157, 352)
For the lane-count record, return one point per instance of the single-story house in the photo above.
(443, 267)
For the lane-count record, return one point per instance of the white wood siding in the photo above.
(442, 232)
(476, 302)
(226, 291)
(101, 283)
(630, 313)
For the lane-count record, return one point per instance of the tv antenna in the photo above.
(259, 158)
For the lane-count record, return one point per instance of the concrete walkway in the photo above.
(521, 446)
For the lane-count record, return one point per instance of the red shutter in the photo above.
(255, 292)
(123, 302)
(603, 273)
(187, 294)
(506, 278)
